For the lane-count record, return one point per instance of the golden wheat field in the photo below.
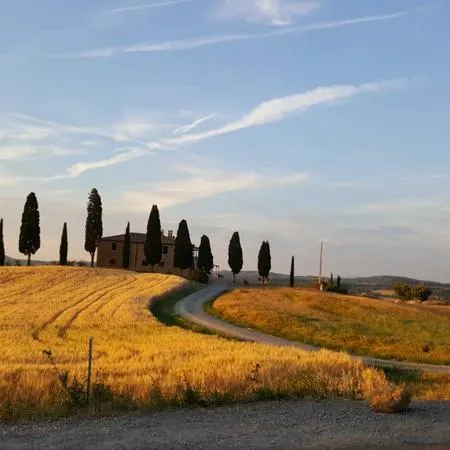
(144, 362)
(419, 333)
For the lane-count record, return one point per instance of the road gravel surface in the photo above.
(273, 425)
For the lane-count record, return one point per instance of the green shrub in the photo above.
(199, 276)
(405, 292)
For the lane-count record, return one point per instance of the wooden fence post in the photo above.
(89, 376)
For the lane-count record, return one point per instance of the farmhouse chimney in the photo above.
(170, 234)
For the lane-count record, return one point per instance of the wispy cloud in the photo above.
(399, 206)
(126, 9)
(432, 176)
(188, 44)
(277, 109)
(275, 12)
(20, 152)
(81, 167)
(130, 129)
(201, 184)
(186, 128)
(267, 112)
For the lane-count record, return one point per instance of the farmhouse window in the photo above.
(112, 262)
(165, 250)
(114, 246)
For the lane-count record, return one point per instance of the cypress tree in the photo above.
(2, 245)
(339, 282)
(63, 247)
(205, 256)
(183, 258)
(291, 278)
(29, 238)
(126, 248)
(94, 224)
(331, 279)
(235, 258)
(264, 261)
(153, 244)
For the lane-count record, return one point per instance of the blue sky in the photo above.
(290, 121)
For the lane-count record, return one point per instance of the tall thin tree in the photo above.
(183, 258)
(126, 248)
(205, 256)
(2, 245)
(94, 224)
(264, 262)
(63, 248)
(292, 274)
(153, 243)
(261, 261)
(235, 258)
(30, 231)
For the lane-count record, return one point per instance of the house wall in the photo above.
(106, 256)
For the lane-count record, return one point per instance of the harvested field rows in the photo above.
(144, 362)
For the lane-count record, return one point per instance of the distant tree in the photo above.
(205, 256)
(183, 258)
(2, 245)
(235, 258)
(30, 232)
(63, 248)
(331, 280)
(338, 281)
(421, 292)
(94, 224)
(292, 275)
(126, 248)
(264, 261)
(153, 242)
(403, 291)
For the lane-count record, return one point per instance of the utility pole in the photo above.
(320, 266)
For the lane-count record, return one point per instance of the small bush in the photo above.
(336, 290)
(391, 399)
(199, 276)
(405, 292)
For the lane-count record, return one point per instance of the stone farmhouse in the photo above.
(110, 253)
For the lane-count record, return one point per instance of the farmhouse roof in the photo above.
(138, 238)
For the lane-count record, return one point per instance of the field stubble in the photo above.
(358, 325)
(144, 362)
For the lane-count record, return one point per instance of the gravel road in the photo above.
(273, 425)
(192, 308)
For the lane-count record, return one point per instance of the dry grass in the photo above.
(144, 362)
(393, 399)
(358, 325)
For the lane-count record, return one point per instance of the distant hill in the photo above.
(356, 285)
(13, 262)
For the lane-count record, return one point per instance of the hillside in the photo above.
(138, 361)
(357, 285)
(14, 262)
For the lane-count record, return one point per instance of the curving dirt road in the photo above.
(192, 308)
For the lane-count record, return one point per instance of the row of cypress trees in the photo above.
(29, 238)
(30, 231)
(29, 241)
